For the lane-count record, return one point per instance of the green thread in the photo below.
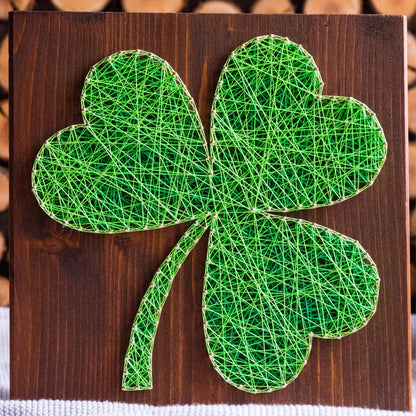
(273, 283)
(138, 362)
(140, 161)
(279, 143)
(137, 162)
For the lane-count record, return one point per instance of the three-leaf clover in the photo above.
(141, 161)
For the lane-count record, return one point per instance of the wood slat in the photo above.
(74, 295)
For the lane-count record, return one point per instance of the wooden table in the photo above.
(74, 295)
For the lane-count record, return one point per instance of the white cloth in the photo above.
(4, 354)
(72, 408)
(90, 408)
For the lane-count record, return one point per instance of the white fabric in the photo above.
(70, 408)
(90, 408)
(4, 353)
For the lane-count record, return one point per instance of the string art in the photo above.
(141, 161)
(137, 162)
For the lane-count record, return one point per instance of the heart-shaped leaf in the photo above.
(273, 283)
(277, 143)
(139, 160)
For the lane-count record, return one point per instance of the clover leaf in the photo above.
(272, 283)
(137, 162)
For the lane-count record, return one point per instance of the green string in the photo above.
(279, 142)
(273, 283)
(140, 161)
(137, 373)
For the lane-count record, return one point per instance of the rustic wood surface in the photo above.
(74, 295)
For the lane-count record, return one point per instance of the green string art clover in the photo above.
(140, 161)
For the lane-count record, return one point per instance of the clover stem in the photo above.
(137, 373)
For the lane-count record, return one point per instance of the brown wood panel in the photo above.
(74, 294)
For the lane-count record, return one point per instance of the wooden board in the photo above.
(75, 295)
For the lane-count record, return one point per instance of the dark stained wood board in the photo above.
(74, 295)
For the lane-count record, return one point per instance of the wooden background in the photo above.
(74, 295)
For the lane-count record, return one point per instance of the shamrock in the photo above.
(140, 161)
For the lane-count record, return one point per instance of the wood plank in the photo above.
(74, 295)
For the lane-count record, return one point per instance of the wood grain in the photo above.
(74, 295)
